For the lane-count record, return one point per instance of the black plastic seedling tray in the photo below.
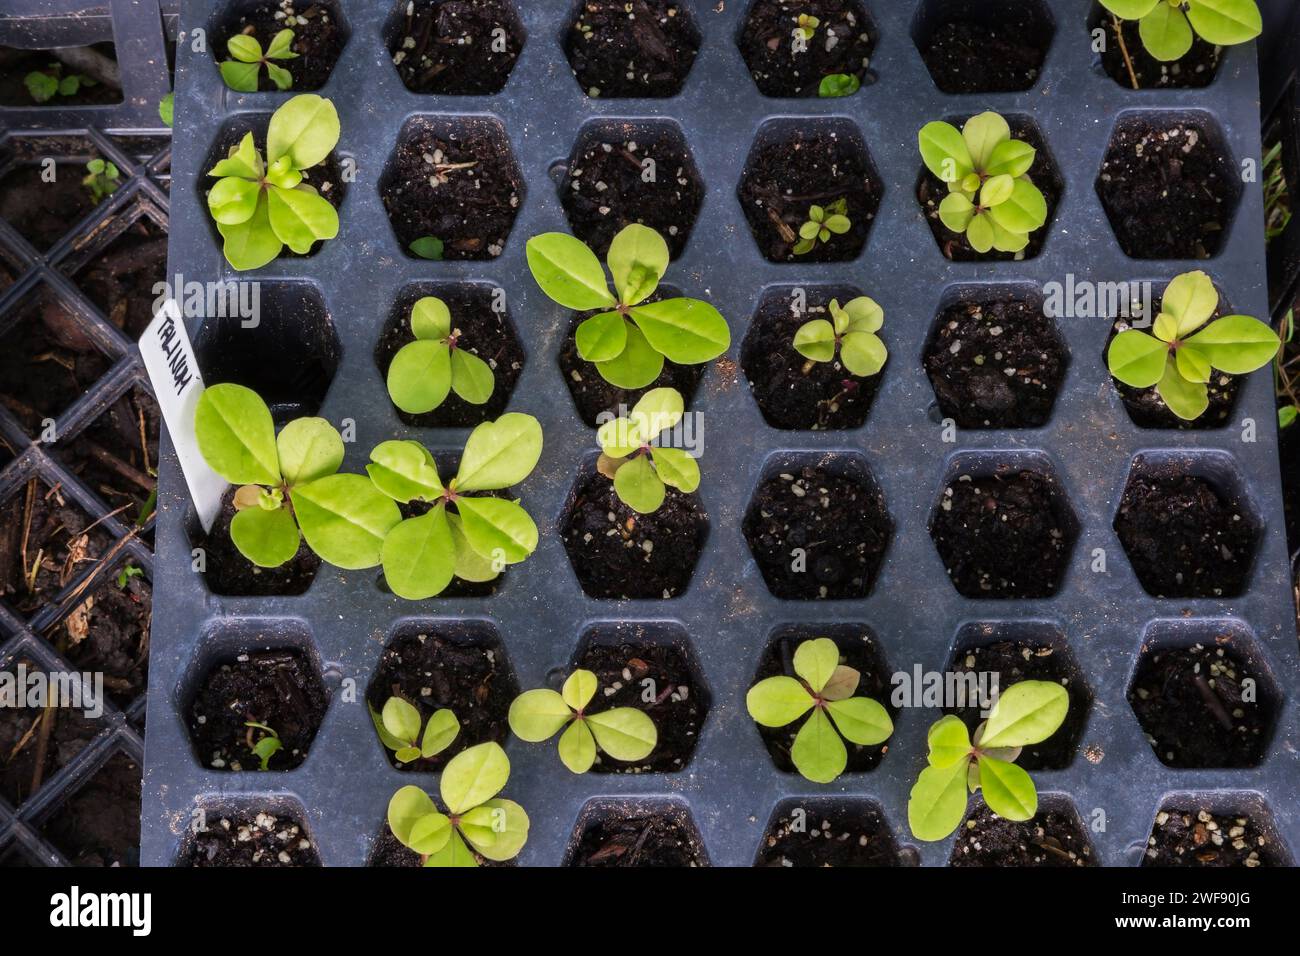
(540, 612)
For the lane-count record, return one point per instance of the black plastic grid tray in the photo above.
(540, 612)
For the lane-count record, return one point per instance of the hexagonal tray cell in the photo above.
(462, 48)
(120, 278)
(983, 46)
(88, 65)
(784, 62)
(1055, 837)
(42, 208)
(1219, 829)
(454, 182)
(1124, 57)
(1002, 525)
(994, 358)
(620, 554)
(481, 320)
(1045, 174)
(642, 48)
(1187, 525)
(631, 171)
(796, 164)
(1009, 652)
(99, 824)
(1203, 695)
(228, 573)
(247, 676)
(650, 666)
(817, 526)
(262, 831)
(1168, 185)
(793, 392)
(635, 832)
(319, 34)
(827, 831)
(459, 664)
(116, 455)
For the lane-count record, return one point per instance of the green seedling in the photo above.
(428, 247)
(991, 199)
(630, 340)
(1027, 713)
(128, 572)
(289, 483)
(1167, 27)
(266, 746)
(466, 534)
(425, 371)
(838, 84)
(475, 816)
(399, 727)
(823, 222)
(624, 733)
(1284, 384)
(261, 206)
(1277, 195)
(44, 85)
(640, 469)
(850, 331)
(241, 72)
(826, 687)
(167, 109)
(102, 179)
(1179, 363)
(806, 25)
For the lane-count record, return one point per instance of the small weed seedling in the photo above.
(991, 199)
(428, 247)
(476, 817)
(806, 26)
(101, 180)
(289, 482)
(624, 733)
(399, 723)
(266, 746)
(128, 572)
(1026, 713)
(241, 73)
(464, 535)
(423, 372)
(851, 331)
(1178, 363)
(261, 206)
(826, 687)
(641, 470)
(1284, 374)
(838, 84)
(629, 342)
(1277, 195)
(823, 222)
(1167, 26)
(44, 85)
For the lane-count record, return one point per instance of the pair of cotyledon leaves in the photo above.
(642, 471)
(399, 726)
(851, 330)
(241, 72)
(424, 372)
(1167, 26)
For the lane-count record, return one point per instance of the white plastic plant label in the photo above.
(169, 360)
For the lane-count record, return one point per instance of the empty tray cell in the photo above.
(227, 572)
(62, 77)
(319, 34)
(99, 824)
(810, 171)
(1124, 57)
(116, 455)
(983, 46)
(43, 192)
(123, 278)
(637, 832)
(1168, 184)
(641, 48)
(817, 526)
(827, 831)
(1054, 837)
(1220, 829)
(454, 46)
(1187, 525)
(266, 832)
(791, 48)
(452, 188)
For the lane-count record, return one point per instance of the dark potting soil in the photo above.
(839, 834)
(1197, 837)
(1003, 536)
(387, 851)
(469, 209)
(1288, 449)
(631, 838)
(250, 839)
(99, 825)
(1195, 69)
(996, 363)
(677, 709)
(841, 44)
(108, 632)
(785, 177)
(817, 535)
(483, 332)
(1052, 838)
(862, 655)
(21, 748)
(44, 211)
(121, 279)
(1016, 661)
(116, 456)
(1165, 190)
(227, 572)
(969, 56)
(1148, 409)
(641, 48)
(793, 392)
(463, 672)
(318, 42)
(449, 46)
(15, 64)
(1184, 537)
(1193, 707)
(606, 186)
(279, 688)
(620, 554)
